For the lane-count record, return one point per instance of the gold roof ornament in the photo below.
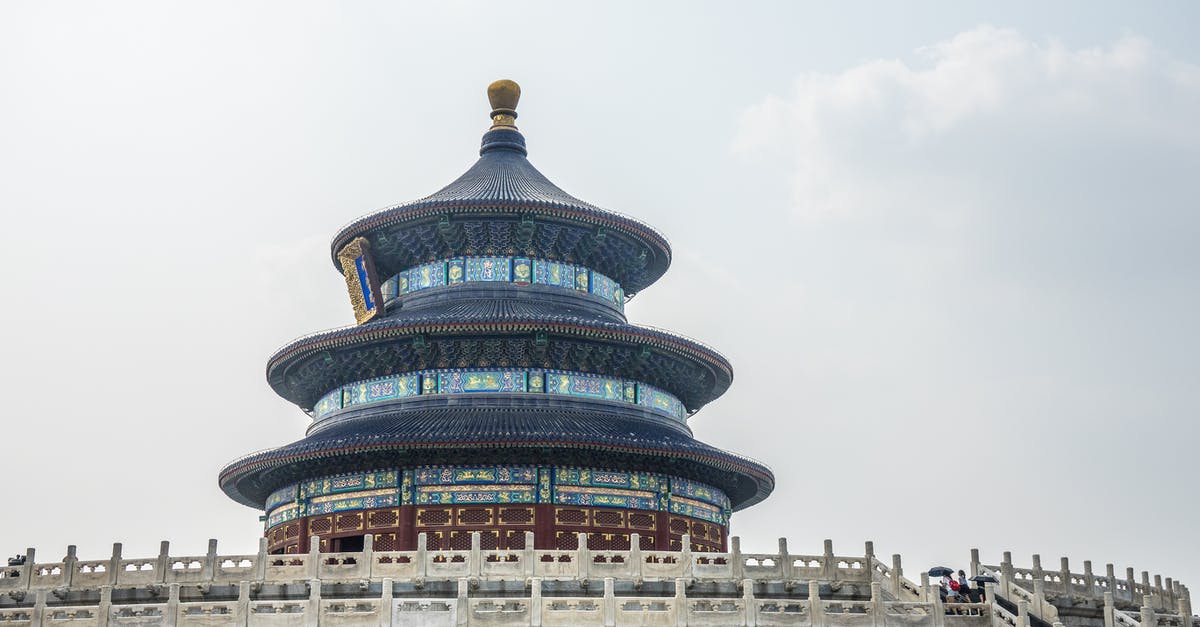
(503, 96)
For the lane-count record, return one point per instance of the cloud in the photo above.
(988, 107)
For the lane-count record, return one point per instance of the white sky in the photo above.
(950, 249)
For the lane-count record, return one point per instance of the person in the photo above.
(964, 588)
(951, 588)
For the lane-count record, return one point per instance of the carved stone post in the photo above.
(869, 553)
(610, 603)
(815, 608)
(312, 609)
(208, 569)
(583, 557)
(27, 569)
(1064, 574)
(462, 604)
(314, 557)
(974, 562)
(172, 613)
(1109, 606)
(897, 575)
(70, 563)
(260, 562)
(1148, 618)
(1169, 593)
(681, 606)
(114, 564)
(241, 616)
(1022, 613)
(1007, 574)
(685, 555)
(926, 591)
(829, 569)
(422, 555)
(939, 608)
(1038, 573)
(529, 556)
(476, 555)
(367, 565)
(1131, 584)
(784, 560)
(878, 615)
(104, 611)
(751, 611)
(162, 566)
(1089, 579)
(635, 557)
(735, 557)
(39, 607)
(535, 599)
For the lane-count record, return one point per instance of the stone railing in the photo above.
(1046, 588)
(547, 587)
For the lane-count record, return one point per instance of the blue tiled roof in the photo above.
(545, 434)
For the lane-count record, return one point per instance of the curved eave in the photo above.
(428, 210)
(390, 330)
(257, 464)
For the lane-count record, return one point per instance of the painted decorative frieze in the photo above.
(516, 270)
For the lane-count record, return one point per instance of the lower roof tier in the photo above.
(550, 433)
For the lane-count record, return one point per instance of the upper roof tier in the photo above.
(505, 206)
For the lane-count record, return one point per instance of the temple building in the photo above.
(493, 383)
(493, 443)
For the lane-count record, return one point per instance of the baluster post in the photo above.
(751, 610)
(829, 570)
(583, 558)
(27, 570)
(260, 562)
(367, 563)
(114, 565)
(1110, 620)
(69, 565)
(173, 605)
(785, 560)
(463, 615)
(475, 556)
(974, 562)
(635, 556)
(1007, 574)
(1089, 579)
(1169, 592)
(1158, 593)
(897, 575)
(1022, 613)
(1038, 573)
(104, 610)
(681, 606)
(422, 555)
(241, 615)
(535, 600)
(314, 557)
(925, 588)
(878, 615)
(529, 556)
(208, 569)
(1064, 574)
(1148, 619)
(610, 603)
(1131, 584)
(163, 565)
(736, 557)
(815, 608)
(686, 554)
(869, 552)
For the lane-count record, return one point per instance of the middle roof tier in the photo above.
(486, 332)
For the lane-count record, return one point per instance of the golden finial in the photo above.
(503, 95)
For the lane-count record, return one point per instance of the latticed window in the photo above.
(433, 517)
(516, 516)
(320, 525)
(571, 516)
(475, 516)
(605, 518)
(566, 541)
(383, 518)
(346, 522)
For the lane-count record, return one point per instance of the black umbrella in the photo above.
(939, 571)
(985, 579)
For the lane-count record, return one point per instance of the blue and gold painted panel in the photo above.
(658, 400)
(607, 478)
(507, 380)
(517, 270)
(696, 509)
(456, 475)
(281, 497)
(475, 494)
(591, 386)
(699, 491)
(350, 483)
(448, 485)
(387, 497)
(467, 381)
(284, 514)
(605, 497)
(382, 389)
